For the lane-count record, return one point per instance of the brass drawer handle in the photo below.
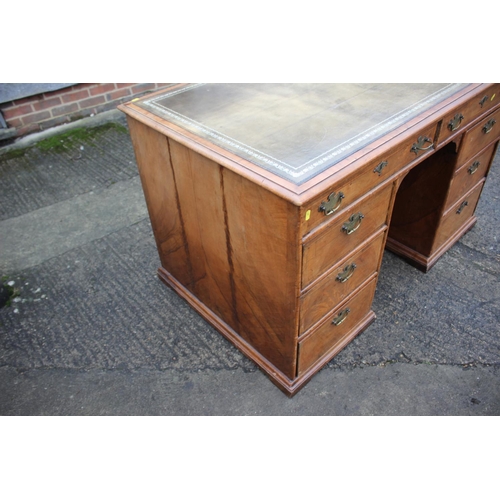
(353, 223)
(378, 169)
(462, 206)
(455, 122)
(333, 203)
(418, 146)
(483, 100)
(346, 273)
(341, 317)
(489, 125)
(473, 168)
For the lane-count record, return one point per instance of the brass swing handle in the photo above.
(333, 203)
(488, 126)
(418, 146)
(341, 317)
(473, 168)
(353, 223)
(346, 273)
(462, 206)
(378, 169)
(455, 122)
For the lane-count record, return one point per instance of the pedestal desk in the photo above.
(271, 204)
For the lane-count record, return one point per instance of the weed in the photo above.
(7, 292)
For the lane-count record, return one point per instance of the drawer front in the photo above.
(346, 232)
(457, 216)
(469, 175)
(478, 137)
(324, 207)
(456, 121)
(339, 325)
(342, 281)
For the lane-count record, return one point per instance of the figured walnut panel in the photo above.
(263, 237)
(155, 169)
(201, 200)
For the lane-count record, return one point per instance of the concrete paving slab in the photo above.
(396, 389)
(35, 237)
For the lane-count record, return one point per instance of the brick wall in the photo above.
(40, 112)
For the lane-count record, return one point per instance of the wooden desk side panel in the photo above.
(198, 182)
(155, 170)
(263, 232)
(230, 243)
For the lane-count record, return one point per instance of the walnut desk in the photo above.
(271, 204)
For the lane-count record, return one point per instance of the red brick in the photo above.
(106, 107)
(28, 129)
(143, 87)
(92, 101)
(7, 105)
(67, 90)
(84, 112)
(112, 96)
(46, 103)
(36, 117)
(65, 109)
(122, 85)
(25, 100)
(17, 111)
(54, 122)
(58, 92)
(15, 122)
(81, 86)
(102, 88)
(75, 96)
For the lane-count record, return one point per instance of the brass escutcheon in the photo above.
(473, 168)
(378, 169)
(346, 273)
(333, 203)
(462, 206)
(418, 146)
(488, 126)
(341, 317)
(353, 223)
(455, 122)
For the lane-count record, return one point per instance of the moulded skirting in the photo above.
(289, 387)
(423, 262)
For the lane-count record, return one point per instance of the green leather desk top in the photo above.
(295, 130)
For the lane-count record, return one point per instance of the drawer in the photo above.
(342, 281)
(340, 195)
(457, 216)
(350, 229)
(456, 121)
(468, 175)
(478, 137)
(336, 328)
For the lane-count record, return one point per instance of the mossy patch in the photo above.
(65, 141)
(75, 137)
(13, 153)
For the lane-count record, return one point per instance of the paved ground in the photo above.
(92, 331)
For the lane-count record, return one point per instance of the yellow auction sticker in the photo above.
(308, 215)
